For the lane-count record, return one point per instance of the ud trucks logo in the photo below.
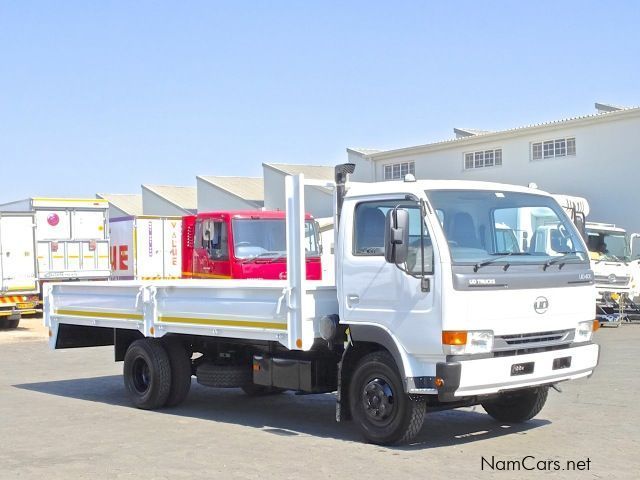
(541, 305)
(480, 282)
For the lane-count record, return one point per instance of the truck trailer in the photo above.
(426, 313)
(72, 240)
(19, 286)
(146, 247)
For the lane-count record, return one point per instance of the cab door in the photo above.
(374, 292)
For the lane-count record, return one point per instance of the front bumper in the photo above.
(486, 376)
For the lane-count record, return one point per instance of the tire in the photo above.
(518, 406)
(223, 376)
(254, 390)
(180, 361)
(385, 414)
(147, 374)
(13, 323)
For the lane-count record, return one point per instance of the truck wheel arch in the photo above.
(365, 339)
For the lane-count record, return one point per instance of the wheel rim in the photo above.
(378, 401)
(141, 376)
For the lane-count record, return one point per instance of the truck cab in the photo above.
(616, 272)
(243, 244)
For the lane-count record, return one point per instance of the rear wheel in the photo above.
(518, 406)
(384, 413)
(180, 360)
(13, 323)
(147, 374)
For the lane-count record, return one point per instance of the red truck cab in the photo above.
(243, 244)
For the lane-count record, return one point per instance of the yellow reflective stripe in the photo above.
(21, 287)
(86, 313)
(70, 200)
(209, 275)
(224, 323)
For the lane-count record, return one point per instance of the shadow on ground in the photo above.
(288, 414)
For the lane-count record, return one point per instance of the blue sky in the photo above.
(104, 96)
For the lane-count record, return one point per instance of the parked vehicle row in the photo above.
(48, 239)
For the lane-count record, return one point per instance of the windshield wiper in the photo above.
(501, 256)
(561, 258)
(273, 256)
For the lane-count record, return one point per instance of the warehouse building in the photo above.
(319, 200)
(229, 193)
(122, 204)
(169, 200)
(593, 156)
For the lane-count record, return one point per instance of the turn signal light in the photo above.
(454, 338)
(596, 325)
(438, 382)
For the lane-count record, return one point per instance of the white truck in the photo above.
(146, 247)
(426, 313)
(19, 286)
(71, 237)
(616, 272)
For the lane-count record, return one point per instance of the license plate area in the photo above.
(560, 363)
(25, 305)
(522, 368)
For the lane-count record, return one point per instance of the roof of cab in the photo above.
(357, 189)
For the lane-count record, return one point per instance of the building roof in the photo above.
(182, 197)
(613, 114)
(250, 189)
(129, 203)
(468, 132)
(315, 172)
(363, 151)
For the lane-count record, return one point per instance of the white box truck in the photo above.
(71, 237)
(146, 247)
(19, 286)
(427, 312)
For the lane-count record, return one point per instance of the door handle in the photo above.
(353, 299)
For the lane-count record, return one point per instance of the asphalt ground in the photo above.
(64, 414)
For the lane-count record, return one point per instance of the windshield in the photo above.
(608, 245)
(266, 238)
(486, 226)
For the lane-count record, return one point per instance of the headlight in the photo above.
(467, 342)
(585, 330)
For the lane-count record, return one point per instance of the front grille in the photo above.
(532, 340)
(612, 280)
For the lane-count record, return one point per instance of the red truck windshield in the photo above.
(266, 238)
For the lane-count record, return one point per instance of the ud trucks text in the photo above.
(428, 312)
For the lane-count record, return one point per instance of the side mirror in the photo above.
(396, 236)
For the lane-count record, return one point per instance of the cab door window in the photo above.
(214, 239)
(369, 233)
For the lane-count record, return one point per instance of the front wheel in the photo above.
(384, 413)
(518, 406)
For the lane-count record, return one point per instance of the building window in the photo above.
(484, 158)
(397, 171)
(553, 148)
